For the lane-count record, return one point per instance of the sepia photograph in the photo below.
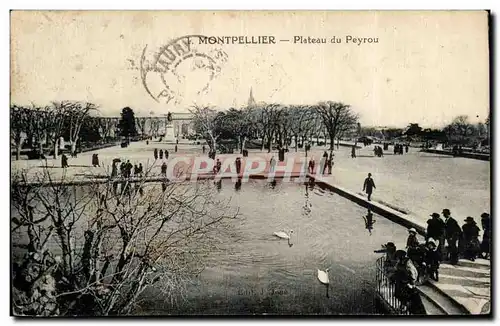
(234, 163)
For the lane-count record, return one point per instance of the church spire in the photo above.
(251, 100)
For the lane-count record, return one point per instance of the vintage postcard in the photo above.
(250, 163)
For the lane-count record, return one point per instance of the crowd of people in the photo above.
(399, 149)
(378, 151)
(446, 241)
(325, 164)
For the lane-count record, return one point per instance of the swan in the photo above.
(323, 276)
(283, 234)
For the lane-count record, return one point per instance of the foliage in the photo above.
(127, 123)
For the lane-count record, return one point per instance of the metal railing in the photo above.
(386, 289)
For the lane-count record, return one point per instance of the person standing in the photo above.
(471, 238)
(311, 166)
(140, 169)
(436, 230)
(166, 154)
(64, 161)
(272, 164)
(161, 154)
(176, 147)
(156, 153)
(353, 151)
(405, 278)
(485, 244)
(412, 244)
(164, 169)
(330, 165)
(218, 165)
(114, 170)
(238, 165)
(452, 234)
(368, 186)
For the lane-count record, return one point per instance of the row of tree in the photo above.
(44, 126)
(459, 131)
(275, 123)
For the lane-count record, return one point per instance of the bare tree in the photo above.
(141, 125)
(75, 113)
(105, 127)
(95, 250)
(205, 120)
(155, 126)
(19, 123)
(270, 117)
(300, 116)
(337, 117)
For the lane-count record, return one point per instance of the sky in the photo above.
(427, 67)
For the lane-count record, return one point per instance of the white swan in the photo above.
(283, 234)
(323, 276)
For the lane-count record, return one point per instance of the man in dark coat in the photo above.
(164, 169)
(64, 161)
(238, 165)
(485, 244)
(166, 154)
(369, 185)
(435, 230)
(156, 153)
(311, 165)
(353, 151)
(453, 232)
(471, 238)
(161, 154)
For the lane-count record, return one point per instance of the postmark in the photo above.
(181, 70)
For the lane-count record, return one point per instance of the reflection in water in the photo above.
(307, 205)
(237, 185)
(218, 184)
(369, 221)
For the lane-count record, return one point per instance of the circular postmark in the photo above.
(182, 69)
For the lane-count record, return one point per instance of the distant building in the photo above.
(251, 100)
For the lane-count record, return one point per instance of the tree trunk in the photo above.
(56, 148)
(332, 142)
(18, 150)
(263, 142)
(243, 143)
(296, 143)
(73, 145)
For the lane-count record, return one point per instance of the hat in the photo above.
(412, 230)
(485, 215)
(434, 215)
(390, 245)
(469, 219)
(446, 211)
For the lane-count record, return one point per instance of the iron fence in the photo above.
(386, 289)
